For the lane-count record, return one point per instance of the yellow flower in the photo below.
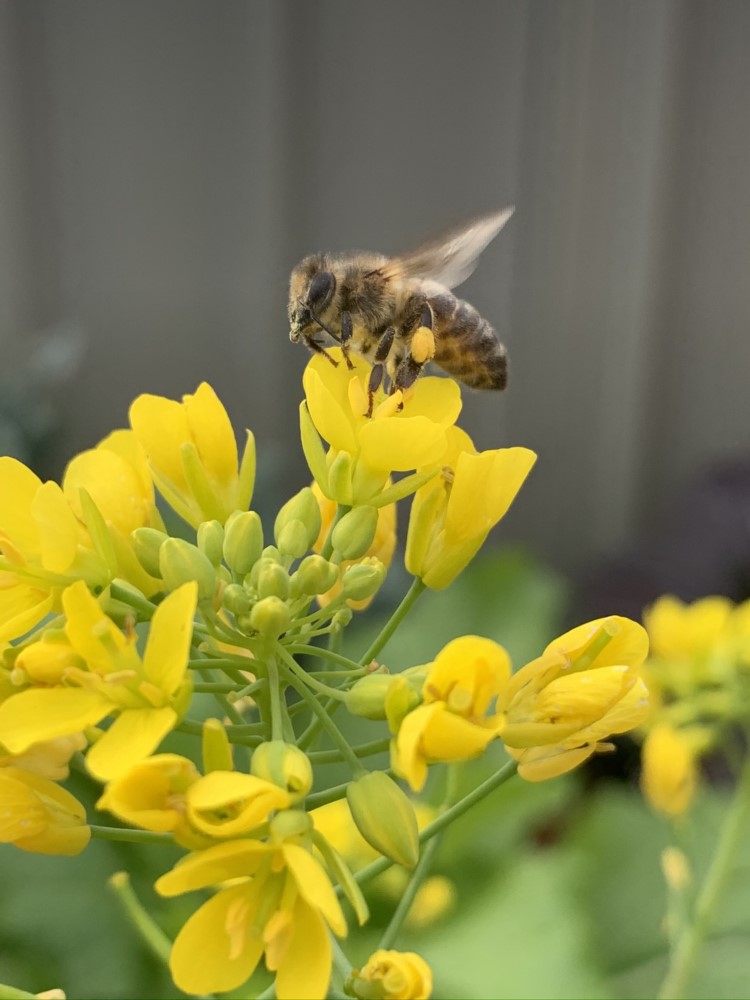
(43, 548)
(452, 724)
(49, 760)
(669, 777)
(397, 975)
(686, 631)
(365, 450)
(152, 795)
(227, 803)
(192, 453)
(452, 514)
(146, 694)
(556, 711)
(115, 475)
(274, 899)
(37, 815)
(382, 548)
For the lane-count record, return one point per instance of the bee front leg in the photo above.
(378, 369)
(317, 348)
(347, 329)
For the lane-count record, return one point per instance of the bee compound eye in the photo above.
(321, 289)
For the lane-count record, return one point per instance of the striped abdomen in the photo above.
(466, 346)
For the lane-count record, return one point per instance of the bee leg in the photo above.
(317, 348)
(347, 329)
(421, 350)
(378, 369)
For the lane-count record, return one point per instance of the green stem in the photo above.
(693, 934)
(332, 794)
(317, 709)
(363, 750)
(211, 687)
(310, 679)
(394, 621)
(341, 963)
(144, 923)
(300, 649)
(131, 836)
(402, 910)
(274, 685)
(247, 735)
(446, 818)
(130, 596)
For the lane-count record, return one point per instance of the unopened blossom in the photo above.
(38, 815)
(394, 975)
(669, 775)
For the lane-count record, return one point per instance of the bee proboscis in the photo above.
(399, 313)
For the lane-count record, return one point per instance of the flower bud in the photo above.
(270, 617)
(340, 478)
(45, 662)
(303, 508)
(342, 618)
(273, 581)
(217, 750)
(243, 541)
(385, 817)
(391, 975)
(363, 579)
(147, 543)
(210, 540)
(367, 697)
(180, 562)
(315, 575)
(290, 823)
(293, 539)
(355, 532)
(236, 599)
(285, 765)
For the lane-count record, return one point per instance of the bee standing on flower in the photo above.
(399, 313)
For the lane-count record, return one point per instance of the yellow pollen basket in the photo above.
(423, 345)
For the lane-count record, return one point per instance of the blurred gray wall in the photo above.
(164, 164)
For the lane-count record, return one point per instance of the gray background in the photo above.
(164, 164)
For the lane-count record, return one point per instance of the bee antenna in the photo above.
(324, 326)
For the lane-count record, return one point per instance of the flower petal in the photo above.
(305, 971)
(215, 951)
(57, 527)
(36, 715)
(400, 444)
(212, 432)
(21, 608)
(166, 655)
(18, 487)
(331, 418)
(161, 427)
(314, 885)
(215, 865)
(135, 734)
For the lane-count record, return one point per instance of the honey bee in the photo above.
(399, 313)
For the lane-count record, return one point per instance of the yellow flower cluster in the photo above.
(110, 627)
(699, 677)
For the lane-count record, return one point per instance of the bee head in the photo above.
(311, 290)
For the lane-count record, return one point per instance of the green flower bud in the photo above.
(210, 540)
(285, 765)
(236, 599)
(273, 581)
(355, 532)
(340, 478)
(217, 750)
(243, 541)
(367, 697)
(290, 823)
(302, 507)
(342, 618)
(245, 623)
(315, 575)
(270, 617)
(179, 562)
(385, 817)
(363, 579)
(147, 543)
(294, 540)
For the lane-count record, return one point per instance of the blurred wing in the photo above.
(450, 259)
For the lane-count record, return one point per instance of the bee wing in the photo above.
(450, 259)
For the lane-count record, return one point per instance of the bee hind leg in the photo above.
(378, 369)
(421, 350)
